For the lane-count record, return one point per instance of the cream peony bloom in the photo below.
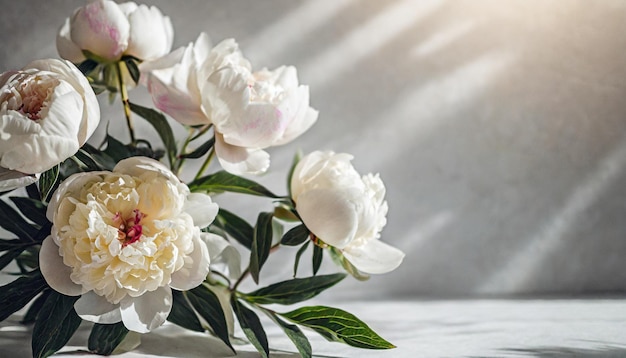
(109, 31)
(123, 240)
(48, 112)
(345, 210)
(198, 85)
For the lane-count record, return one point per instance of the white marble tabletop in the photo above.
(438, 328)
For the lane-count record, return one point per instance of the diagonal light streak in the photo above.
(365, 40)
(527, 263)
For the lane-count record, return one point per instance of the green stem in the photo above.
(243, 275)
(125, 103)
(181, 161)
(205, 165)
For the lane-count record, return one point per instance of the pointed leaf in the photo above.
(32, 209)
(133, 70)
(116, 149)
(87, 66)
(182, 314)
(201, 150)
(15, 295)
(13, 244)
(9, 256)
(33, 192)
(104, 338)
(251, 326)
(87, 160)
(35, 307)
(295, 335)
(318, 255)
(261, 244)
(56, 323)
(298, 255)
(340, 260)
(48, 181)
(159, 122)
(338, 325)
(223, 181)
(208, 306)
(296, 160)
(13, 222)
(296, 236)
(295, 290)
(236, 227)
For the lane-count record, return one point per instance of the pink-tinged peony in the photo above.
(109, 30)
(344, 209)
(48, 112)
(250, 111)
(123, 240)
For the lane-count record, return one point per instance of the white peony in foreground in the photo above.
(345, 210)
(123, 240)
(48, 112)
(109, 30)
(250, 111)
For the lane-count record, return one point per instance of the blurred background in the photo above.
(499, 128)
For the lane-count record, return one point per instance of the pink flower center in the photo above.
(129, 230)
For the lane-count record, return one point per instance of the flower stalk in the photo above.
(125, 103)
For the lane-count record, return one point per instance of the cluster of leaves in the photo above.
(199, 309)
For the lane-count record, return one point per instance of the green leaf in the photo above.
(296, 236)
(9, 256)
(33, 191)
(251, 326)
(87, 160)
(56, 323)
(318, 255)
(15, 295)
(116, 149)
(295, 290)
(159, 122)
(12, 244)
(102, 160)
(182, 314)
(298, 255)
(208, 306)
(132, 69)
(48, 181)
(261, 244)
(35, 307)
(236, 227)
(32, 209)
(87, 66)
(295, 335)
(201, 150)
(338, 325)
(296, 160)
(104, 338)
(12, 221)
(223, 181)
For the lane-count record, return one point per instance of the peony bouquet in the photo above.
(109, 233)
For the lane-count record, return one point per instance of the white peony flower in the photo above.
(123, 240)
(250, 111)
(110, 30)
(48, 112)
(345, 210)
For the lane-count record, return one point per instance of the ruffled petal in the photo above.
(240, 160)
(148, 311)
(94, 308)
(201, 208)
(374, 257)
(329, 214)
(56, 273)
(195, 270)
(181, 105)
(137, 166)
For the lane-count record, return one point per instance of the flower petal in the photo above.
(374, 257)
(329, 214)
(240, 160)
(201, 208)
(56, 273)
(94, 308)
(223, 254)
(195, 270)
(11, 179)
(66, 48)
(151, 33)
(102, 28)
(182, 105)
(137, 166)
(148, 311)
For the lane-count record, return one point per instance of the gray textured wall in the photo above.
(498, 127)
